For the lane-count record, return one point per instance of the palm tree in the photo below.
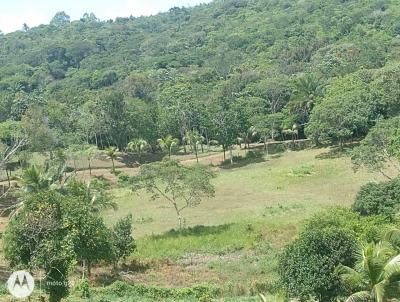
(393, 237)
(112, 153)
(138, 145)
(168, 143)
(33, 180)
(193, 138)
(90, 153)
(376, 275)
(95, 195)
(306, 91)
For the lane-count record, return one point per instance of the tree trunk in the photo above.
(231, 154)
(90, 167)
(197, 156)
(113, 165)
(266, 145)
(180, 219)
(8, 179)
(223, 148)
(89, 269)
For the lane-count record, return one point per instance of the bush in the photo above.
(307, 266)
(83, 288)
(365, 229)
(202, 292)
(123, 242)
(329, 238)
(123, 178)
(379, 199)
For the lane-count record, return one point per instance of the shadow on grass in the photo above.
(199, 230)
(106, 279)
(336, 152)
(132, 160)
(252, 157)
(110, 275)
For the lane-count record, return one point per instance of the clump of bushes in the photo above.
(199, 292)
(307, 265)
(379, 199)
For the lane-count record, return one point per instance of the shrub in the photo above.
(307, 266)
(328, 239)
(123, 242)
(379, 198)
(123, 178)
(83, 288)
(365, 229)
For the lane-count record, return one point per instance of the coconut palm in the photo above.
(393, 237)
(138, 145)
(112, 153)
(168, 143)
(193, 138)
(90, 152)
(376, 275)
(94, 194)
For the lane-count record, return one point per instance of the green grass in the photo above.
(295, 178)
(234, 240)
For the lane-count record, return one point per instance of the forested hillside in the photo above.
(115, 183)
(224, 69)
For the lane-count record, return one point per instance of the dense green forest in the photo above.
(219, 69)
(106, 125)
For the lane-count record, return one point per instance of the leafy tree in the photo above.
(40, 136)
(376, 275)
(379, 149)
(52, 232)
(122, 239)
(183, 187)
(308, 88)
(36, 239)
(379, 199)
(348, 110)
(60, 18)
(226, 129)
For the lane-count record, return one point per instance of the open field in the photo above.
(235, 238)
(290, 186)
(231, 241)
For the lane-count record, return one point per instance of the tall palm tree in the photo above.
(193, 138)
(306, 91)
(168, 143)
(138, 145)
(90, 153)
(376, 275)
(112, 153)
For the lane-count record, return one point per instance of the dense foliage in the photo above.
(218, 69)
(379, 198)
(330, 238)
(54, 232)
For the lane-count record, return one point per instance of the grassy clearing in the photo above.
(234, 240)
(298, 180)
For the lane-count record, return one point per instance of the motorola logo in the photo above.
(21, 284)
